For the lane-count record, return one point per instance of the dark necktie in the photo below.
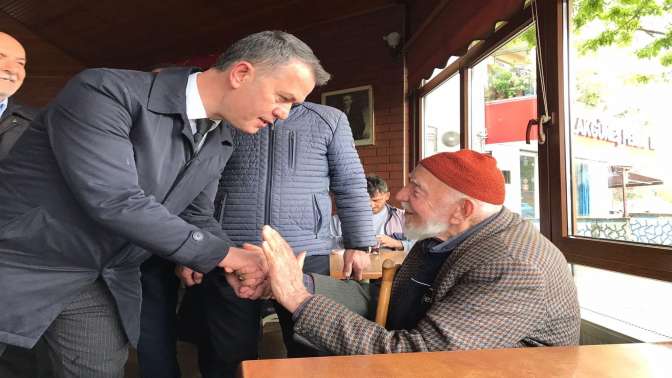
(202, 127)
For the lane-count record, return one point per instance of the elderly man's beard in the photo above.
(428, 229)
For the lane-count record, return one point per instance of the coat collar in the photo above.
(23, 111)
(168, 92)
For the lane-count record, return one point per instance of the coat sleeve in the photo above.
(494, 306)
(348, 183)
(89, 125)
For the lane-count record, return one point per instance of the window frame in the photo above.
(642, 260)
(651, 261)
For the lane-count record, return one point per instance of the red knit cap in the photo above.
(469, 172)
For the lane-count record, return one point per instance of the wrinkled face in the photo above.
(378, 201)
(12, 65)
(265, 95)
(424, 205)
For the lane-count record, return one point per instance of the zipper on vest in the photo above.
(269, 174)
(292, 148)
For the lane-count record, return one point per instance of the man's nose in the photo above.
(282, 112)
(402, 195)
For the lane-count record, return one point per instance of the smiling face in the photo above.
(430, 206)
(259, 95)
(12, 65)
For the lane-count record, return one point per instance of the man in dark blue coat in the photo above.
(125, 164)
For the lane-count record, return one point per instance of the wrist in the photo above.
(295, 300)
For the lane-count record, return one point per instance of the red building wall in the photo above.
(506, 120)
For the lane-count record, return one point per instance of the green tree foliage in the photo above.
(621, 20)
(507, 80)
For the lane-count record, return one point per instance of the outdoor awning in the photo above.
(450, 30)
(634, 179)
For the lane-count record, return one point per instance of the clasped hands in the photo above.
(271, 270)
(245, 270)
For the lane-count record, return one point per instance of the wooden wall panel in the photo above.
(48, 67)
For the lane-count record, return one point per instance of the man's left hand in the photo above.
(355, 262)
(388, 242)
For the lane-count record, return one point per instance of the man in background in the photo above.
(14, 117)
(388, 221)
(14, 120)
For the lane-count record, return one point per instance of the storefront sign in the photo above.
(628, 136)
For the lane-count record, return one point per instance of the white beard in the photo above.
(426, 231)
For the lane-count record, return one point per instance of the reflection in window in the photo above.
(503, 99)
(620, 80)
(441, 118)
(528, 186)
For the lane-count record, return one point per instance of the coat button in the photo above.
(197, 235)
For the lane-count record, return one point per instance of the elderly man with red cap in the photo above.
(479, 276)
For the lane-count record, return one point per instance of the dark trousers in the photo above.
(234, 325)
(86, 339)
(18, 362)
(157, 347)
(231, 328)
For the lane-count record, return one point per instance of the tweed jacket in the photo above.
(505, 286)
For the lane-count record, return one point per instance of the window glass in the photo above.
(441, 118)
(503, 100)
(620, 84)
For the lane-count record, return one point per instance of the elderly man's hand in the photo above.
(284, 270)
(355, 263)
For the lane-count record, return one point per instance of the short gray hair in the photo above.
(271, 49)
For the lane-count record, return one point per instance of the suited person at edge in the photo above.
(479, 276)
(14, 120)
(121, 165)
(14, 117)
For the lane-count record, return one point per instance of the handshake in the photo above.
(255, 272)
(271, 270)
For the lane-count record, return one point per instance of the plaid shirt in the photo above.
(505, 286)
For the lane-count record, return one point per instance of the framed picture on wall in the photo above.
(357, 104)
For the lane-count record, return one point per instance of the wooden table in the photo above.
(594, 361)
(374, 271)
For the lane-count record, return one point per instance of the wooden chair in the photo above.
(389, 270)
(383, 264)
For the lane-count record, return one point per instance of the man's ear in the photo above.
(462, 211)
(240, 72)
(467, 208)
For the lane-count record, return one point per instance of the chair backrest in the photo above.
(389, 269)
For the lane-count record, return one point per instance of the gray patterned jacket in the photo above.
(505, 286)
